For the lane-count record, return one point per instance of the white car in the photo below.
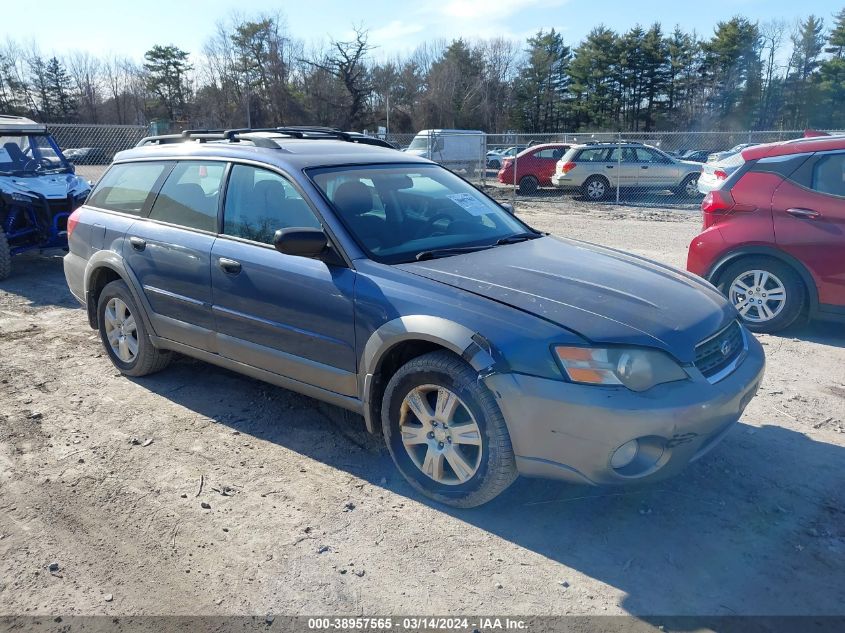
(714, 175)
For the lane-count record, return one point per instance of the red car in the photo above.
(774, 233)
(535, 167)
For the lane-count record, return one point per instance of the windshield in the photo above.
(31, 153)
(421, 141)
(397, 213)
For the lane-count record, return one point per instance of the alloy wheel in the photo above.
(121, 330)
(758, 295)
(595, 190)
(691, 188)
(440, 435)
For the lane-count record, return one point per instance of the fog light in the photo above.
(625, 454)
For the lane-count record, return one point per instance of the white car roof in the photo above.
(19, 124)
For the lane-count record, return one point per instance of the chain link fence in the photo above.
(612, 168)
(618, 168)
(91, 148)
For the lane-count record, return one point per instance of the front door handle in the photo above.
(609, 166)
(229, 266)
(137, 243)
(806, 214)
(644, 167)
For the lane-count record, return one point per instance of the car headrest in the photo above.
(353, 198)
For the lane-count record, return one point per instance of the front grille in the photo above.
(719, 351)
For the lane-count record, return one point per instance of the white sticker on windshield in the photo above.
(4, 156)
(469, 203)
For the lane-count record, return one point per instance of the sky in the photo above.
(130, 27)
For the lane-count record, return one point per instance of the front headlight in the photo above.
(20, 197)
(636, 369)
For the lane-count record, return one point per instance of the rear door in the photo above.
(809, 221)
(170, 251)
(292, 316)
(622, 165)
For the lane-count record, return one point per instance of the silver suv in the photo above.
(597, 168)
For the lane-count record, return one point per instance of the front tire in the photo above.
(689, 187)
(124, 335)
(768, 293)
(446, 433)
(5, 256)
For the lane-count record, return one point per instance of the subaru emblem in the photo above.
(725, 348)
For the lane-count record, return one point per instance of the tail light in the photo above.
(720, 174)
(716, 203)
(72, 221)
(567, 167)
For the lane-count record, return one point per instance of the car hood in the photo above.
(51, 186)
(601, 294)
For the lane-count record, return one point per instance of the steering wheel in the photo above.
(428, 230)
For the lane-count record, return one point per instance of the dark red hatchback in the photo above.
(773, 239)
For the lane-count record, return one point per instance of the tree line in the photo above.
(253, 72)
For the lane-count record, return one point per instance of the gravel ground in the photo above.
(198, 491)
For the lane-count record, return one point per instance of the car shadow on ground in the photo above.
(735, 533)
(821, 332)
(39, 278)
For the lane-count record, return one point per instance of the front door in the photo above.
(809, 218)
(292, 316)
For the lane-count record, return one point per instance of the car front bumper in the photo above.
(563, 430)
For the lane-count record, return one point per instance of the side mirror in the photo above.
(300, 241)
(507, 207)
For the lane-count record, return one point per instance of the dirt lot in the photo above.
(105, 476)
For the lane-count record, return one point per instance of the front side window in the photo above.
(190, 195)
(644, 155)
(126, 187)
(259, 202)
(829, 175)
(398, 213)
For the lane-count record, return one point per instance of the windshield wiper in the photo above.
(519, 237)
(446, 252)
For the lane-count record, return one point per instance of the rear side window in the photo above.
(595, 155)
(551, 152)
(190, 195)
(829, 175)
(259, 202)
(126, 187)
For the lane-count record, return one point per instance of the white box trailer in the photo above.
(459, 150)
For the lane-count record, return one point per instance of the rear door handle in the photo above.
(137, 243)
(229, 266)
(806, 214)
(609, 166)
(644, 167)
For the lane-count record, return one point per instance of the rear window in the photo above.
(189, 196)
(126, 187)
(829, 175)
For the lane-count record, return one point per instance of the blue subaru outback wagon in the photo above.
(382, 283)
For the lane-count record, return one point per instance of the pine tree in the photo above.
(59, 87)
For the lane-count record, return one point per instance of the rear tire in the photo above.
(769, 294)
(5, 256)
(124, 334)
(596, 188)
(528, 185)
(446, 433)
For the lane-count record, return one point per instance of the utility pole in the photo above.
(387, 123)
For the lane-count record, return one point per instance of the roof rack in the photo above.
(619, 141)
(255, 136)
